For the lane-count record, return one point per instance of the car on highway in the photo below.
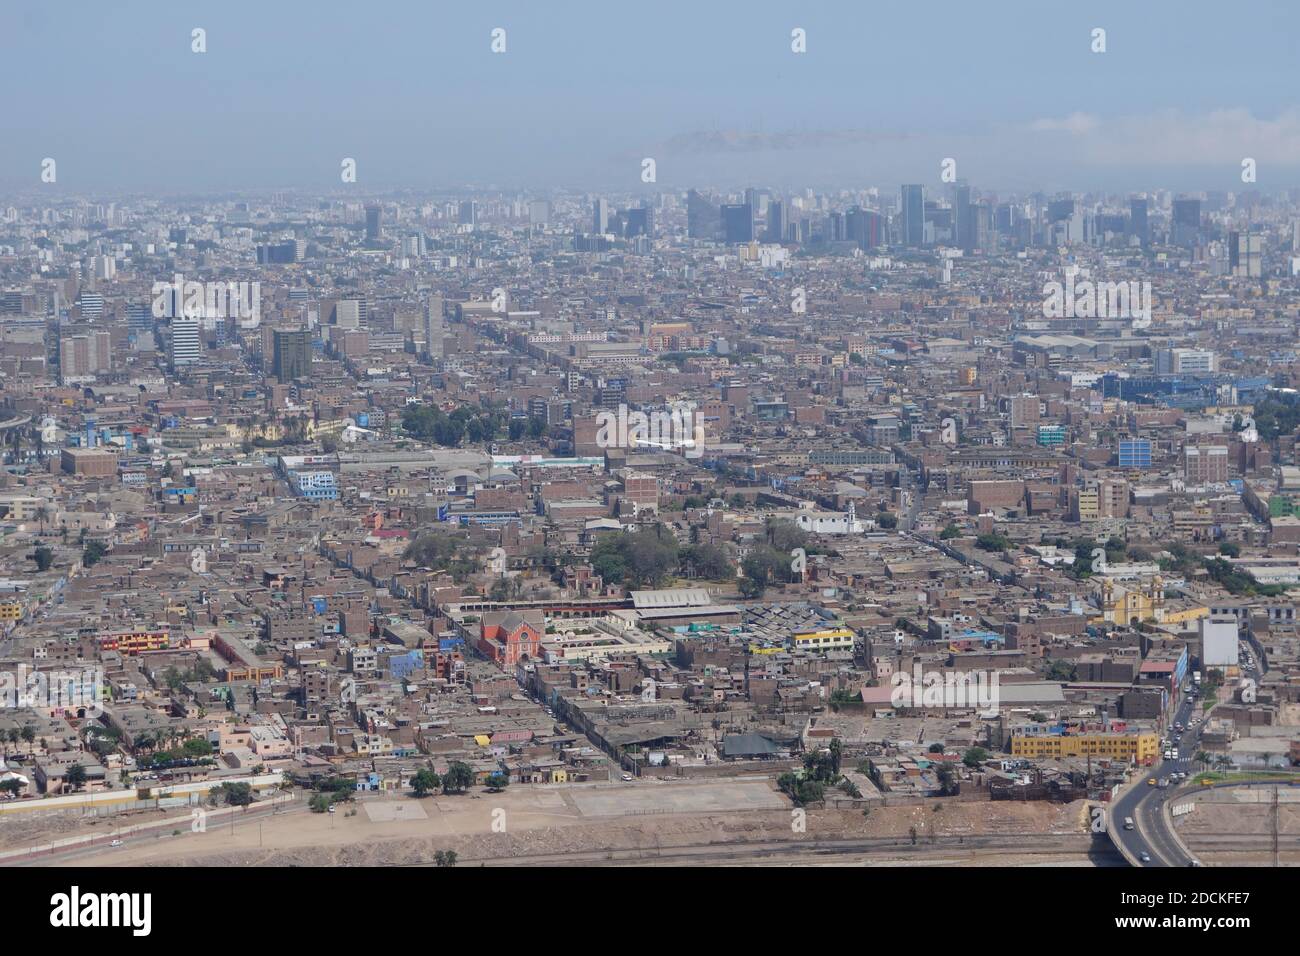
(1144, 856)
(1151, 782)
(627, 777)
(1128, 823)
(116, 843)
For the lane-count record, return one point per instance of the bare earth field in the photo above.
(732, 822)
(23, 830)
(1234, 827)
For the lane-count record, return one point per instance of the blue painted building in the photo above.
(314, 485)
(1134, 453)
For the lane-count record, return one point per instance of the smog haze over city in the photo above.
(712, 90)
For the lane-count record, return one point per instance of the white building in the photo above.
(186, 347)
(833, 522)
(1218, 642)
(1185, 361)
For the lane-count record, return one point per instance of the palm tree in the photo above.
(13, 734)
(28, 735)
(42, 515)
(295, 429)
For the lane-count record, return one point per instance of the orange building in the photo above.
(509, 636)
(136, 641)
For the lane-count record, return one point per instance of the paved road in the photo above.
(912, 492)
(1152, 833)
(134, 835)
(1145, 803)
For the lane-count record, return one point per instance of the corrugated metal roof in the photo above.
(671, 597)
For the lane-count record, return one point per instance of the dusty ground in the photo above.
(734, 822)
(1234, 827)
(23, 830)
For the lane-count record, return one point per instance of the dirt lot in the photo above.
(1234, 826)
(640, 822)
(24, 830)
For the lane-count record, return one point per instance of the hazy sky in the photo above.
(710, 89)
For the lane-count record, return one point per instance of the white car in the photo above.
(116, 843)
(627, 777)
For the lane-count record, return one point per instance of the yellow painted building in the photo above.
(267, 431)
(1139, 747)
(1121, 604)
(134, 642)
(1185, 615)
(1089, 508)
(11, 611)
(22, 507)
(1131, 602)
(334, 426)
(829, 639)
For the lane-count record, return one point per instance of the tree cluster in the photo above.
(431, 424)
(444, 550)
(645, 558)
